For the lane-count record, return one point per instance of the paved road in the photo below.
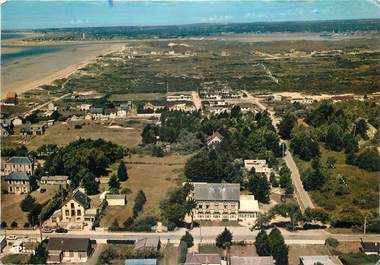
(205, 234)
(302, 196)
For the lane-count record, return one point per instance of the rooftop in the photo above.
(147, 243)
(325, 260)
(251, 261)
(140, 262)
(54, 178)
(115, 196)
(80, 198)
(18, 176)
(216, 191)
(248, 204)
(19, 160)
(72, 244)
(194, 258)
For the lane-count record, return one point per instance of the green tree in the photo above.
(90, 184)
(182, 249)
(114, 183)
(286, 125)
(224, 239)
(27, 203)
(332, 242)
(278, 247)
(149, 134)
(260, 187)
(122, 172)
(334, 137)
(107, 256)
(139, 203)
(304, 144)
(314, 179)
(262, 244)
(40, 255)
(361, 128)
(368, 159)
(158, 151)
(188, 238)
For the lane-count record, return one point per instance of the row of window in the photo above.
(16, 182)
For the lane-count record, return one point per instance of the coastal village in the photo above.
(208, 175)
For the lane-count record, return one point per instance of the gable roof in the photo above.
(18, 176)
(80, 198)
(115, 196)
(194, 258)
(215, 135)
(216, 191)
(54, 178)
(325, 260)
(66, 244)
(251, 260)
(19, 160)
(370, 246)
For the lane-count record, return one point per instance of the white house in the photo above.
(260, 166)
(248, 209)
(116, 199)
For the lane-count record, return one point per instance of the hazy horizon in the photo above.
(67, 14)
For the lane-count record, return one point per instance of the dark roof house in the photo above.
(19, 160)
(216, 191)
(18, 176)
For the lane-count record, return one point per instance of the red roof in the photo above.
(11, 94)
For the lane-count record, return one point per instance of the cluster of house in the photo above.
(174, 102)
(222, 201)
(98, 113)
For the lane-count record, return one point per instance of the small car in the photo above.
(61, 230)
(12, 237)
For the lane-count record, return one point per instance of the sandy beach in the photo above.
(21, 75)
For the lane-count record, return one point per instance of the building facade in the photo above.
(19, 183)
(18, 164)
(73, 210)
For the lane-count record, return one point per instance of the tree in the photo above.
(90, 184)
(14, 224)
(350, 143)
(332, 242)
(139, 203)
(316, 214)
(115, 225)
(286, 180)
(235, 111)
(314, 179)
(182, 249)
(361, 128)
(263, 221)
(114, 183)
(149, 134)
(107, 256)
(27, 203)
(334, 137)
(188, 238)
(40, 255)
(224, 239)
(3, 225)
(304, 144)
(286, 125)
(278, 247)
(290, 210)
(158, 151)
(260, 187)
(368, 159)
(262, 244)
(122, 172)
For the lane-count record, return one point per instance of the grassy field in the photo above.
(16, 259)
(63, 133)
(360, 192)
(10, 205)
(155, 176)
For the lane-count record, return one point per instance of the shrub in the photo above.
(332, 242)
(14, 224)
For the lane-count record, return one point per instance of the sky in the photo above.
(31, 14)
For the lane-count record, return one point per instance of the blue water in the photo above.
(18, 14)
(28, 51)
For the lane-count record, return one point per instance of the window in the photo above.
(10, 189)
(79, 212)
(67, 212)
(72, 205)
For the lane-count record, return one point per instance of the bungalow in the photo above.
(325, 260)
(248, 209)
(18, 164)
(147, 244)
(215, 138)
(55, 180)
(370, 248)
(90, 215)
(70, 250)
(195, 258)
(116, 199)
(19, 183)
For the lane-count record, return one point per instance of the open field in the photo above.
(10, 204)
(155, 176)
(137, 97)
(16, 259)
(64, 133)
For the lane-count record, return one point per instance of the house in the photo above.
(73, 209)
(19, 182)
(234, 260)
(116, 199)
(147, 244)
(260, 166)
(215, 138)
(50, 123)
(153, 107)
(195, 258)
(141, 262)
(17, 121)
(246, 107)
(179, 97)
(11, 99)
(84, 107)
(304, 101)
(32, 129)
(248, 209)
(55, 180)
(370, 248)
(215, 201)
(301, 122)
(95, 113)
(90, 215)
(181, 106)
(325, 260)
(51, 107)
(68, 250)
(18, 164)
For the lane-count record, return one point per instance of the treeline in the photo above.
(207, 29)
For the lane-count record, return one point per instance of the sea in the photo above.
(31, 14)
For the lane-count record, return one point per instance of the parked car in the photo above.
(61, 230)
(47, 230)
